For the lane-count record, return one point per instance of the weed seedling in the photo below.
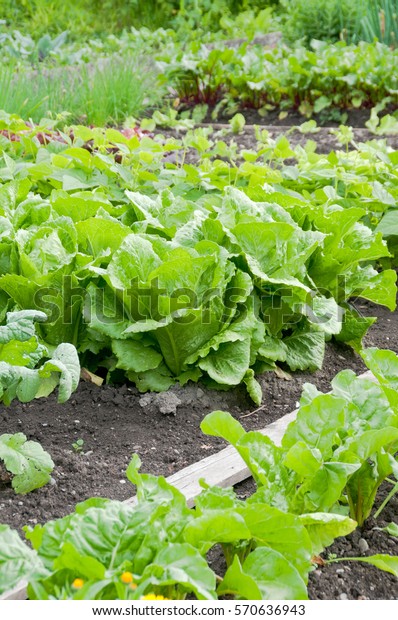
(78, 445)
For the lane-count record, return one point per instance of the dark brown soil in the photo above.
(331, 117)
(357, 580)
(325, 139)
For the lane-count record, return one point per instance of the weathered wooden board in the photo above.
(225, 468)
(17, 594)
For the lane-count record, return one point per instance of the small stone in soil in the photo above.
(363, 545)
(343, 596)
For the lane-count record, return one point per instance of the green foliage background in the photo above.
(96, 17)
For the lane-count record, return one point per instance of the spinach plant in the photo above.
(336, 453)
(158, 548)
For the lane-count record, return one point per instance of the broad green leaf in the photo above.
(84, 566)
(222, 424)
(364, 483)
(181, 564)
(275, 577)
(216, 526)
(20, 325)
(98, 235)
(369, 408)
(367, 444)
(157, 380)
(304, 460)
(239, 584)
(320, 492)
(325, 314)
(135, 356)
(388, 225)
(65, 362)
(324, 527)
(26, 460)
(305, 350)
(281, 531)
(383, 364)
(48, 539)
(80, 205)
(317, 424)
(17, 561)
(381, 289)
(354, 328)
(216, 498)
(135, 259)
(111, 532)
(273, 349)
(265, 461)
(229, 364)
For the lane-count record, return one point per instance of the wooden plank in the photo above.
(225, 468)
(19, 593)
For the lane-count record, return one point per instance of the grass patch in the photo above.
(105, 93)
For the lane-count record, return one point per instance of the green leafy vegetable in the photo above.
(28, 463)
(338, 450)
(21, 375)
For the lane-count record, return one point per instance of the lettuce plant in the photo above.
(178, 272)
(27, 369)
(27, 463)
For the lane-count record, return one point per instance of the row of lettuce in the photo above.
(164, 271)
(319, 484)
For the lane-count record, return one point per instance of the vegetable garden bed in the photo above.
(113, 424)
(324, 137)
(116, 421)
(347, 580)
(92, 436)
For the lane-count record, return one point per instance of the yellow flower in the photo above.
(78, 584)
(133, 586)
(154, 597)
(126, 578)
